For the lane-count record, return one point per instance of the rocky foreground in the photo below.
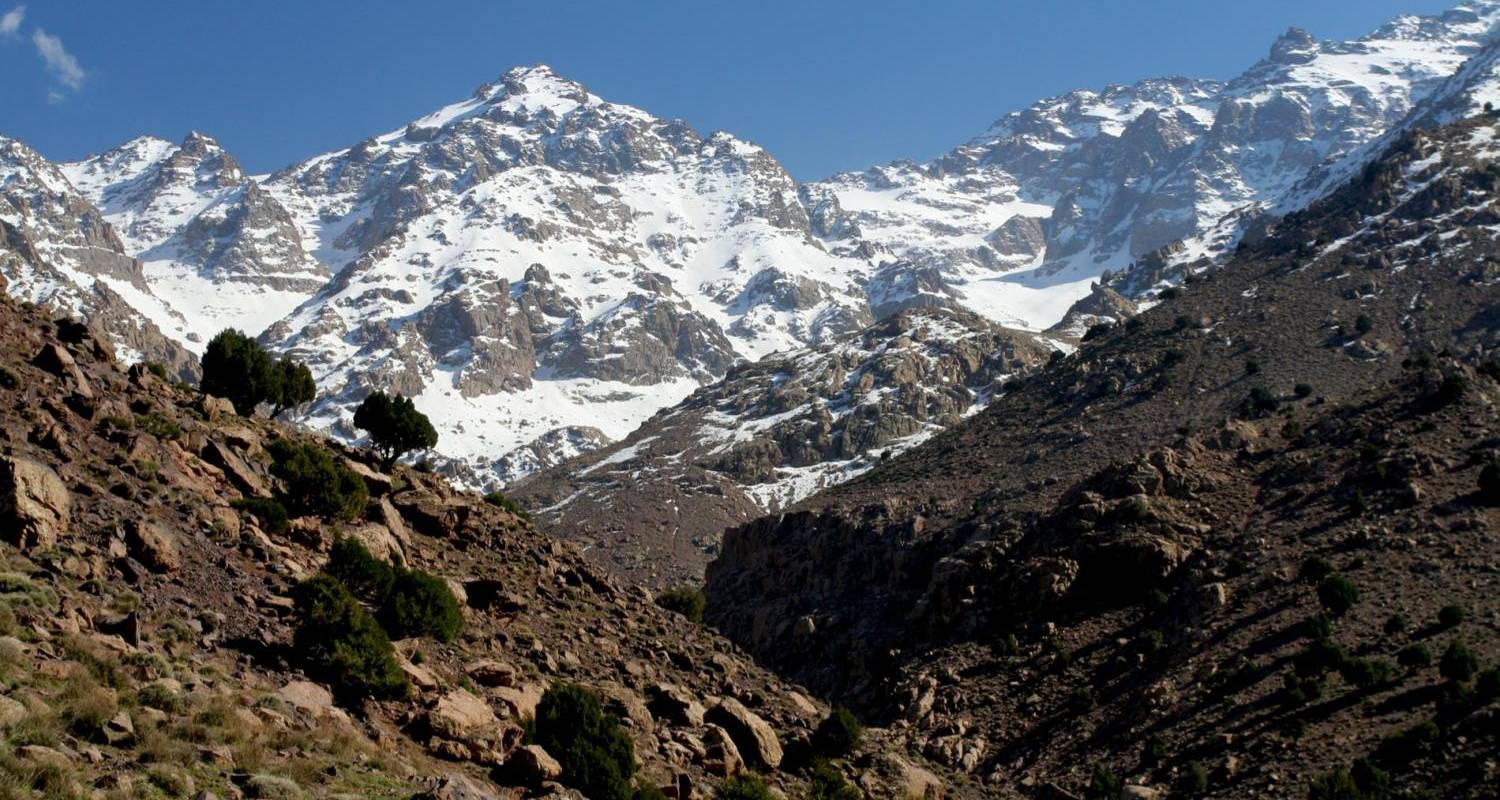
(146, 624)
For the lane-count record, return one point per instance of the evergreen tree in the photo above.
(294, 386)
(238, 369)
(395, 426)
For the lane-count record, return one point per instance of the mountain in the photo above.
(544, 270)
(653, 506)
(216, 250)
(150, 609)
(1125, 568)
(56, 248)
(1018, 223)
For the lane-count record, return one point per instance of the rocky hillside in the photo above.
(1242, 541)
(653, 506)
(148, 608)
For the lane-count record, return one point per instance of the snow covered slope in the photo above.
(1020, 222)
(216, 249)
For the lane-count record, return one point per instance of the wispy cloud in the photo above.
(63, 66)
(10, 23)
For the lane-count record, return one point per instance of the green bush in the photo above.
(158, 426)
(1104, 784)
(1302, 391)
(1365, 673)
(827, 783)
(1408, 745)
(1489, 481)
(839, 734)
(1451, 617)
(365, 576)
(237, 368)
(1314, 569)
(743, 787)
(395, 426)
(1396, 624)
(343, 645)
(1414, 656)
(1458, 663)
(269, 513)
(294, 386)
(1318, 627)
(1193, 780)
(501, 501)
(685, 600)
(316, 484)
(420, 604)
(1153, 752)
(1259, 404)
(1338, 594)
(596, 756)
(1336, 785)
(1299, 690)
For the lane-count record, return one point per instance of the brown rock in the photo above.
(722, 757)
(244, 478)
(58, 361)
(676, 705)
(34, 503)
(533, 766)
(154, 546)
(754, 736)
(493, 673)
(461, 715)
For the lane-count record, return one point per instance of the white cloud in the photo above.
(60, 62)
(11, 21)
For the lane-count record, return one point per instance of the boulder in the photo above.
(155, 546)
(215, 408)
(675, 705)
(55, 359)
(378, 540)
(34, 503)
(378, 483)
(493, 673)
(308, 697)
(521, 701)
(533, 766)
(240, 474)
(754, 736)
(461, 715)
(721, 757)
(460, 787)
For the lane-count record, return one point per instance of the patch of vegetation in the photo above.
(395, 426)
(1337, 594)
(839, 734)
(343, 645)
(1097, 330)
(316, 484)
(238, 369)
(499, 500)
(366, 577)
(420, 604)
(1450, 617)
(1192, 781)
(1458, 664)
(685, 600)
(595, 753)
(294, 386)
(1260, 403)
(1414, 656)
(1396, 624)
(269, 513)
(827, 783)
(743, 787)
(1489, 481)
(1104, 784)
(159, 426)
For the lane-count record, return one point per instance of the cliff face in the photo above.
(1110, 552)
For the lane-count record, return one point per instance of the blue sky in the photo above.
(826, 85)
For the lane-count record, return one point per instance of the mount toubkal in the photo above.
(543, 270)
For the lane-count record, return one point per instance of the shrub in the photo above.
(1302, 391)
(294, 386)
(501, 501)
(596, 756)
(1336, 785)
(1396, 624)
(1458, 663)
(1252, 367)
(365, 576)
(269, 513)
(1337, 594)
(1297, 691)
(395, 426)
(1314, 569)
(420, 604)
(1097, 330)
(157, 368)
(316, 484)
(1414, 656)
(838, 734)
(1489, 481)
(1153, 752)
(343, 645)
(684, 600)
(1260, 403)
(743, 787)
(1409, 744)
(1318, 658)
(1363, 324)
(158, 426)
(1452, 389)
(1104, 784)
(237, 368)
(1318, 628)
(1193, 780)
(1451, 617)
(827, 783)
(1365, 673)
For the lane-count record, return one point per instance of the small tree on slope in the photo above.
(395, 426)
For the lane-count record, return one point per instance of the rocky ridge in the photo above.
(1105, 568)
(146, 621)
